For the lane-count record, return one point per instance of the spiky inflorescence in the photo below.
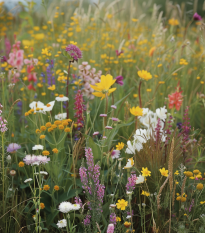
(79, 109)
(130, 186)
(160, 191)
(74, 51)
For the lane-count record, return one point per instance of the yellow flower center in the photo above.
(61, 96)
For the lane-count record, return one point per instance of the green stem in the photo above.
(2, 136)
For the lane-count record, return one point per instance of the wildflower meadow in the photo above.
(102, 116)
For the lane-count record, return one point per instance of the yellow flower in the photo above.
(61, 127)
(127, 224)
(199, 186)
(118, 219)
(52, 88)
(38, 131)
(145, 172)
(55, 150)
(42, 136)
(129, 164)
(196, 171)
(103, 87)
(45, 152)
(151, 51)
(122, 204)
(56, 187)
(202, 202)
(176, 172)
(163, 172)
(135, 95)
(120, 146)
(42, 205)
(178, 198)
(48, 124)
(134, 20)
(149, 90)
(173, 22)
(21, 164)
(144, 75)
(57, 122)
(67, 130)
(136, 111)
(43, 128)
(183, 199)
(188, 174)
(46, 187)
(44, 51)
(145, 193)
(43, 93)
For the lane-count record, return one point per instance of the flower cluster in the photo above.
(35, 159)
(79, 109)
(89, 76)
(74, 51)
(3, 122)
(130, 186)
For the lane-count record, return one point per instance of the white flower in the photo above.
(129, 164)
(62, 223)
(37, 147)
(162, 113)
(34, 105)
(28, 180)
(76, 206)
(130, 148)
(43, 173)
(115, 154)
(48, 107)
(8, 158)
(62, 98)
(65, 207)
(61, 116)
(140, 179)
(128, 216)
(141, 135)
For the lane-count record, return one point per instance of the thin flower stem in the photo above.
(140, 100)
(67, 92)
(2, 136)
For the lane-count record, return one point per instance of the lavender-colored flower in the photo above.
(115, 119)
(95, 133)
(13, 147)
(113, 106)
(113, 218)
(110, 228)
(197, 17)
(86, 220)
(119, 80)
(130, 186)
(74, 51)
(103, 115)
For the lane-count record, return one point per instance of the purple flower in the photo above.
(113, 218)
(103, 115)
(110, 228)
(13, 147)
(78, 201)
(130, 186)
(115, 119)
(95, 133)
(87, 220)
(118, 52)
(74, 51)
(35, 160)
(197, 17)
(119, 80)
(113, 106)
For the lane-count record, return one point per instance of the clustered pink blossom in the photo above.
(3, 122)
(16, 61)
(86, 220)
(89, 76)
(31, 72)
(113, 218)
(35, 159)
(78, 201)
(110, 228)
(130, 186)
(74, 51)
(79, 109)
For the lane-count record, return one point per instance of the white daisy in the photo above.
(37, 105)
(65, 207)
(162, 113)
(129, 164)
(62, 223)
(140, 179)
(48, 107)
(37, 147)
(62, 98)
(76, 206)
(61, 116)
(28, 180)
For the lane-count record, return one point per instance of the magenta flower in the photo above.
(115, 154)
(197, 17)
(115, 119)
(74, 51)
(119, 80)
(118, 52)
(95, 133)
(13, 147)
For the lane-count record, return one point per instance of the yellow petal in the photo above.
(112, 90)
(99, 94)
(95, 88)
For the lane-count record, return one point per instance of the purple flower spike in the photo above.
(74, 51)
(119, 80)
(197, 17)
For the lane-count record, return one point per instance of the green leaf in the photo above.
(50, 217)
(70, 194)
(95, 149)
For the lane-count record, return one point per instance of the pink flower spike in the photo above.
(108, 127)
(113, 106)
(103, 115)
(115, 119)
(95, 133)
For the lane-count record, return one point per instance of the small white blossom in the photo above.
(62, 223)
(28, 180)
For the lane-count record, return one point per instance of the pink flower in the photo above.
(119, 80)
(108, 127)
(110, 228)
(176, 99)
